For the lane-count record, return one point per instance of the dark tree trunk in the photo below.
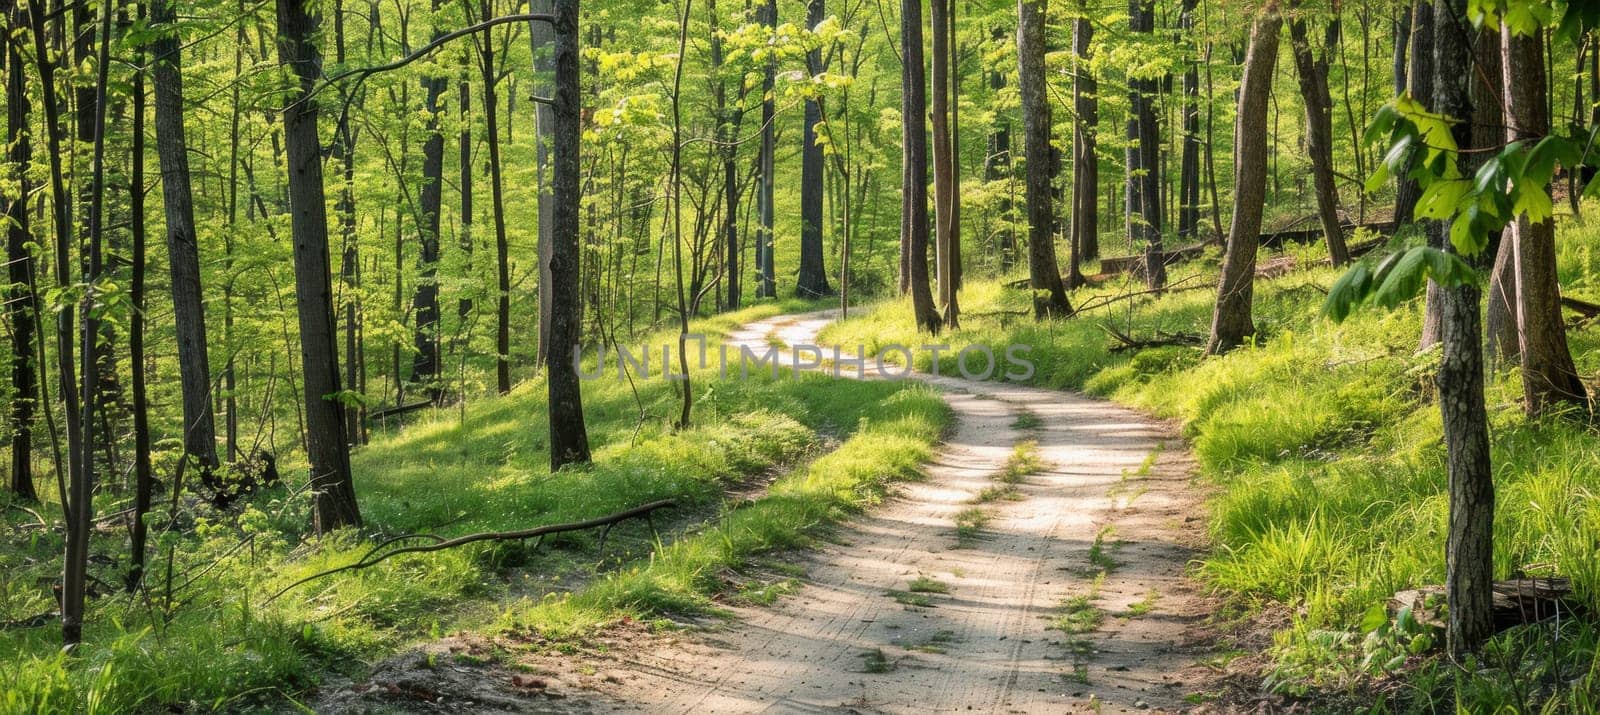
(183, 249)
(343, 148)
(914, 206)
(766, 283)
(1143, 99)
(1044, 278)
(1402, 42)
(1189, 165)
(1312, 71)
(1499, 316)
(497, 206)
(944, 174)
(1085, 156)
(464, 164)
(425, 364)
(1419, 78)
(569, 440)
(541, 38)
(21, 305)
(75, 563)
(1469, 550)
(728, 121)
(813, 278)
(1549, 378)
(997, 166)
(327, 448)
(61, 217)
(143, 477)
(1231, 322)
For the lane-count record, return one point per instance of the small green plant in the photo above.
(912, 600)
(923, 584)
(1098, 556)
(1143, 607)
(1078, 614)
(970, 522)
(998, 492)
(1026, 420)
(936, 643)
(876, 662)
(1024, 460)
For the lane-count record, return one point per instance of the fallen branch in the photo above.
(373, 559)
(397, 410)
(1581, 307)
(1163, 339)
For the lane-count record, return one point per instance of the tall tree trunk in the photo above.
(1085, 155)
(1419, 78)
(183, 249)
(728, 121)
(541, 37)
(143, 476)
(61, 217)
(813, 278)
(20, 298)
(569, 439)
(766, 285)
(1044, 278)
(1469, 551)
(343, 148)
(327, 449)
(1143, 99)
(1189, 165)
(1501, 342)
(1402, 42)
(997, 167)
(464, 164)
(497, 206)
(425, 364)
(1312, 71)
(75, 563)
(1231, 322)
(1549, 378)
(914, 206)
(944, 197)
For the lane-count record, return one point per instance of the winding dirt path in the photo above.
(1099, 536)
(1112, 516)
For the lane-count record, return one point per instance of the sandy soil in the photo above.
(1113, 515)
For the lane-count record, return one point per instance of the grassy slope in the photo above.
(1326, 447)
(460, 472)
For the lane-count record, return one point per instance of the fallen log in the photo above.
(1162, 339)
(381, 413)
(373, 558)
(1581, 307)
(1516, 601)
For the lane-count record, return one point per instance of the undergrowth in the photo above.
(1323, 442)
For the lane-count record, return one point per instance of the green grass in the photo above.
(924, 584)
(1023, 461)
(452, 472)
(1322, 442)
(970, 522)
(912, 600)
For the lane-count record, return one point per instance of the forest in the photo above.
(357, 356)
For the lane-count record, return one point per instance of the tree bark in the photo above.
(425, 363)
(997, 166)
(21, 304)
(541, 37)
(1312, 71)
(1143, 99)
(327, 448)
(1189, 165)
(766, 281)
(1419, 78)
(1469, 551)
(813, 279)
(569, 438)
(1044, 278)
(1231, 321)
(143, 476)
(1085, 156)
(944, 174)
(183, 248)
(914, 206)
(1549, 378)
(497, 208)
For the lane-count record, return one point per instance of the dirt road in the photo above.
(1097, 538)
(1065, 592)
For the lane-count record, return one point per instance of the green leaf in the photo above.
(1347, 292)
(1376, 617)
(1442, 198)
(1535, 202)
(1550, 151)
(1403, 280)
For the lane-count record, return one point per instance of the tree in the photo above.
(1085, 156)
(765, 272)
(1312, 71)
(997, 166)
(946, 231)
(1146, 184)
(1549, 378)
(914, 202)
(20, 298)
(327, 448)
(1419, 78)
(569, 438)
(425, 364)
(1189, 164)
(143, 473)
(1049, 296)
(497, 206)
(183, 248)
(813, 279)
(541, 39)
(1231, 323)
